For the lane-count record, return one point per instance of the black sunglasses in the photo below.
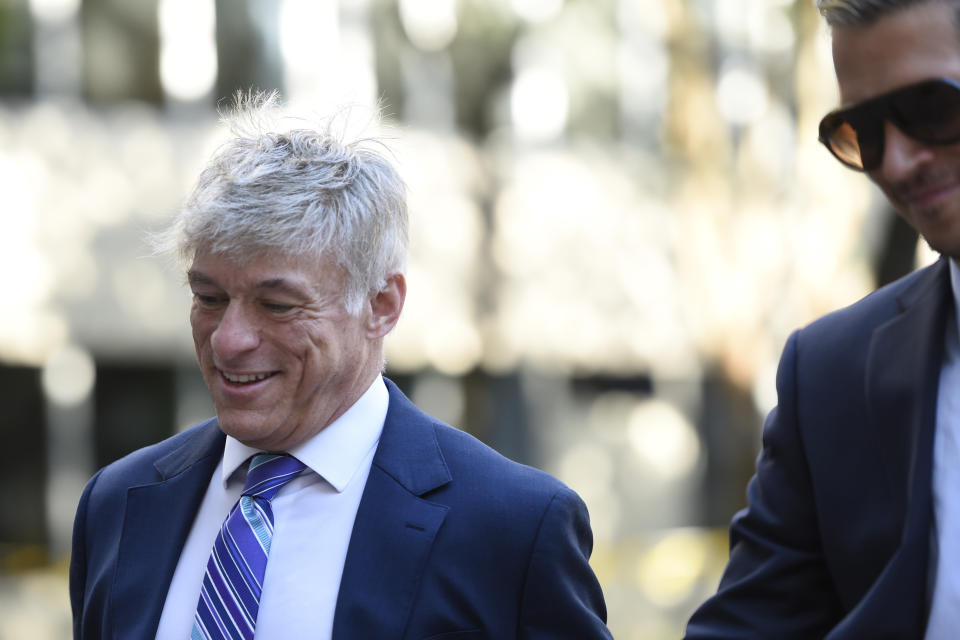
(928, 112)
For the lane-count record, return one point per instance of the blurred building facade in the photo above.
(619, 211)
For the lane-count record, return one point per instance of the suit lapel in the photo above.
(394, 529)
(156, 522)
(903, 371)
(903, 367)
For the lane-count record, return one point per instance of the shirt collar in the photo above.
(955, 286)
(335, 453)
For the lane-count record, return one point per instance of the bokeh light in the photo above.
(670, 570)
(188, 53)
(537, 10)
(539, 103)
(431, 25)
(664, 440)
(68, 376)
(54, 10)
(741, 94)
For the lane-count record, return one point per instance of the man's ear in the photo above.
(385, 306)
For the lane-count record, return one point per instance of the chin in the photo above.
(947, 242)
(243, 428)
(950, 250)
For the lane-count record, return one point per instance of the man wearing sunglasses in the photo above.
(853, 523)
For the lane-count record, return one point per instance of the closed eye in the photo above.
(208, 300)
(276, 307)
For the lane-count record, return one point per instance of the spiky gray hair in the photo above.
(300, 192)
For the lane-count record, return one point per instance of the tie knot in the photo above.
(269, 472)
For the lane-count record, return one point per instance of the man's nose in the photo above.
(236, 333)
(902, 155)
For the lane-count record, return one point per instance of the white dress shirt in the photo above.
(944, 567)
(313, 516)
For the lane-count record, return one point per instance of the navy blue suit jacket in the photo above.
(835, 540)
(451, 540)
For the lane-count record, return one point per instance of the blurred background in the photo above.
(619, 212)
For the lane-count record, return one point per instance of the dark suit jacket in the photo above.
(835, 540)
(451, 541)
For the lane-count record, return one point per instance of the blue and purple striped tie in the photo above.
(230, 596)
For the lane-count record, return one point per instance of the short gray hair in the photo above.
(302, 192)
(850, 13)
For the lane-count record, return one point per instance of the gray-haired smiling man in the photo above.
(319, 503)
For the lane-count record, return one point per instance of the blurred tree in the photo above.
(121, 44)
(247, 47)
(134, 407)
(16, 49)
(481, 55)
(24, 468)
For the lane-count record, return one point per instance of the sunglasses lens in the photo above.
(841, 139)
(857, 143)
(929, 112)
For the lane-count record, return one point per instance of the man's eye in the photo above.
(207, 300)
(276, 307)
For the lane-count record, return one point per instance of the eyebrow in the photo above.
(282, 285)
(195, 277)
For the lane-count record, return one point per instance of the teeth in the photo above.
(245, 378)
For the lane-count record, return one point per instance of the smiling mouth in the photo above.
(928, 196)
(245, 378)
